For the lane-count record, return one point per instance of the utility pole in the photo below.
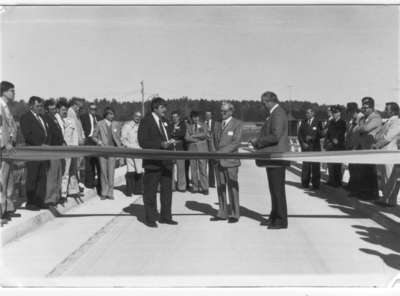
(142, 90)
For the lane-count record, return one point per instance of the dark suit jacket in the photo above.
(54, 133)
(150, 137)
(336, 130)
(32, 130)
(178, 134)
(310, 135)
(86, 124)
(273, 136)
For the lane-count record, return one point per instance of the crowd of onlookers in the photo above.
(364, 128)
(61, 122)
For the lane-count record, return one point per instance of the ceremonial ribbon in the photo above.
(31, 153)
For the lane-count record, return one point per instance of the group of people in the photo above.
(363, 128)
(60, 123)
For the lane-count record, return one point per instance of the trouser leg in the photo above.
(203, 177)
(316, 174)
(233, 191)
(166, 194)
(305, 174)
(151, 180)
(221, 189)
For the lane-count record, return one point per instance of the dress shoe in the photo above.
(3, 221)
(103, 197)
(110, 197)
(205, 192)
(170, 222)
(62, 200)
(217, 219)
(151, 224)
(315, 187)
(13, 215)
(267, 222)
(233, 220)
(32, 207)
(277, 226)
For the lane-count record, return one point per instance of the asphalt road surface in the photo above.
(104, 243)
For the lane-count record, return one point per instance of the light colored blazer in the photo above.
(197, 140)
(129, 138)
(73, 133)
(227, 140)
(367, 128)
(8, 127)
(100, 134)
(388, 135)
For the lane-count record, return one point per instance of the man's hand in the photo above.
(253, 141)
(9, 148)
(165, 144)
(305, 146)
(335, 141)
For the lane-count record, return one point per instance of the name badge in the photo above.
(314, 128)
(230, 133)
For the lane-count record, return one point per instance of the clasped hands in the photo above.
(167, 144)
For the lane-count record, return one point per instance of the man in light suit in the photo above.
(8, 136)
(106, 134)
(227, 136)
(367, 128)
(273, 137)
(196, 137)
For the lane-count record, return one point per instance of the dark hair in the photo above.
(34, 99)
(394, 107)
(352, 107)
(157, 102)
(270, 97)
(175, 112)
(49, 102)
(335, 109)
(194, 114)
(369, 101)
(62, 102)
(108, 110)
(5, 86)
(74, 101)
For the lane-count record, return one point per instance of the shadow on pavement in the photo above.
(136, 210)
(338, 198)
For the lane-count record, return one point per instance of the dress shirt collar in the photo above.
(3, 102)
(226, 121)
(273, 108)
(108, 123)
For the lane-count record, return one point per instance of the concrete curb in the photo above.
(367, 208)
(14, 231)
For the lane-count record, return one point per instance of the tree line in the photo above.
(246, 110)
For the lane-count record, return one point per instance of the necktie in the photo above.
(162, 130)
(42, 124)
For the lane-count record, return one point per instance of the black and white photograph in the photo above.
(179, 146)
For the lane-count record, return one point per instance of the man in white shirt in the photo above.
(8, 133)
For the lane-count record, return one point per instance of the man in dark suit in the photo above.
(35, 133)
(154, 133)
(334, 140)
(273, 137)
(54, 138)
(210, 124)
(309, 135)
(178, 134)
(92, 164)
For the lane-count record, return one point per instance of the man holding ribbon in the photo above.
(273, 137)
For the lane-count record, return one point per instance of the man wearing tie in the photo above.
(34, 130)
(273, 137)
(55, 138)
(92, 165)
(309, 135)
(227, 136)
(8, 135)
(210, 124)
(154, 133)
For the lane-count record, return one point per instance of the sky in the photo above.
(325, 54)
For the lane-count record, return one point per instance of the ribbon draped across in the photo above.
(26, 153)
